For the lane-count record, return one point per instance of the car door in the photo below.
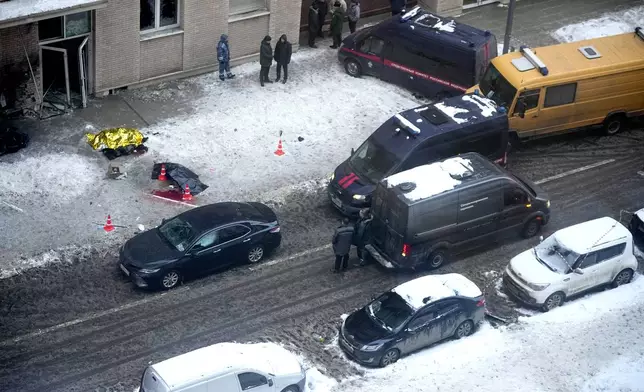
(584, 278)
(449, 316)
(233, 243)
(255, 382)
(478, 212)
(608, 264)
(418, 332)
(204, 255)
(525, 115)
(515, 202)
(371, 55)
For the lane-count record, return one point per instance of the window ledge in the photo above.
(146, 36)
(248, 15)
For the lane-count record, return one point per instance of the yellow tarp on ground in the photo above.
(114, 138)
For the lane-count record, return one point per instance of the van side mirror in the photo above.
(353, 151)
(270, 382)
(163, 221)
(578, 271)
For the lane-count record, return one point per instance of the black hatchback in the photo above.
(203, 240)
(412, 316)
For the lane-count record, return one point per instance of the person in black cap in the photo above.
(342, 238)
(265, 60)
(337, 20)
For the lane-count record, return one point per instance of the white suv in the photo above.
(571, 261)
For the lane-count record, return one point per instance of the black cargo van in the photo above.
(428, 133)
(426, 214)
(423, 52)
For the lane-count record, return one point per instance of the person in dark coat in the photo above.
(397, 7)
(265, 60)
(314, 23)
(323, 9)
(362, 234)
(353, 15)
(342, 238)
(337, 20)
(223, 56)
(283, 51)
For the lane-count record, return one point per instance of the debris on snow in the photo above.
(65, 255)
(498, 285)
(609, 24)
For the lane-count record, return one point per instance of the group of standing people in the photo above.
(346, 235)
(317, 17)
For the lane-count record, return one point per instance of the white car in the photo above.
(571, 261)
(227, 367)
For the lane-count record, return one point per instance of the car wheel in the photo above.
(555, 300)
(291, 388)
(624, 277)
(531, 228)
(436, 259)
(170, 280)
(613, 124)
(255, 254)
(389, 357)
(353, 68)
(464, 329)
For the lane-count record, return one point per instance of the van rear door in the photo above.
(389, 223)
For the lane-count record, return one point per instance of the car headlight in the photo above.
(372, 347)
(332, 177)
(359, 197)
(537, 286)
(149, 270)
(548, 204)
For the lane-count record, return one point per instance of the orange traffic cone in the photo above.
(279, 152)
(162, 176)
(108, 226)
(187, 196)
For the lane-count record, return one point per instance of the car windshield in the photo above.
(495, 87)
(372, 161)
(177, 232)
(390, 311)
(555, 255)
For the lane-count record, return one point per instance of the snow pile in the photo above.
(609, 24)
(58, 176)
(66, 255)
(587, 345)
(18, 8)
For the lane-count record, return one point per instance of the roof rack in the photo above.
(529, 61)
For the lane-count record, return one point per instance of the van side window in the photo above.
(588, 260)
(610, 252)
(513, 196)
(560, 95)
(251, 380)
(372, 45)
(530, 100)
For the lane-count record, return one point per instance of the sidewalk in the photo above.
(54, 193)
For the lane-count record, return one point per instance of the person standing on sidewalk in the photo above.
(362, 234)
(265, 60)
(342, 238)
(323, 9)
(223, 55)
(354, 15)
(397, 7)
(283, 51)
(337, 20)
(314, 23)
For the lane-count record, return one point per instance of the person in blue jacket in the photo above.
(223, 55)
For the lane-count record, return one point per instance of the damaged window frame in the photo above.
(63, 20)
(156, 20)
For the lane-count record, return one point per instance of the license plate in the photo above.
(336, 201)
(125, 270)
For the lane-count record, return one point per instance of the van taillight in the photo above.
(406, 249)
(275, 229)
(481, 303)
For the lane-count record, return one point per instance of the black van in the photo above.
(467, 123)
(424, 215)
(422, 52)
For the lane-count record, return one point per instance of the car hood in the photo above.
(147, 249)
(349, 181)
(360, 328)
(528, 268)
(284, 363)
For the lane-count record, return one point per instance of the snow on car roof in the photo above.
(436, 287)
(431, 179)
(487, 106)
(220, 358)
(583, 237)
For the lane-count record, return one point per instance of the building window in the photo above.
(243, 6)
(159, 14)
(65, 26)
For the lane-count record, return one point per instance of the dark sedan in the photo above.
(203, 240)
(412, 316)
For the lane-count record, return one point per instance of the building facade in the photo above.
(95, 46)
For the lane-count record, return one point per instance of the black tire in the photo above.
(170, 280)
(554, 301)
(624, 277)
(466, 328)
(255, 254)
(353, 68)
(614, 124)
(390, 356)
(531, 228)
(437, 259)
(291, 388)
